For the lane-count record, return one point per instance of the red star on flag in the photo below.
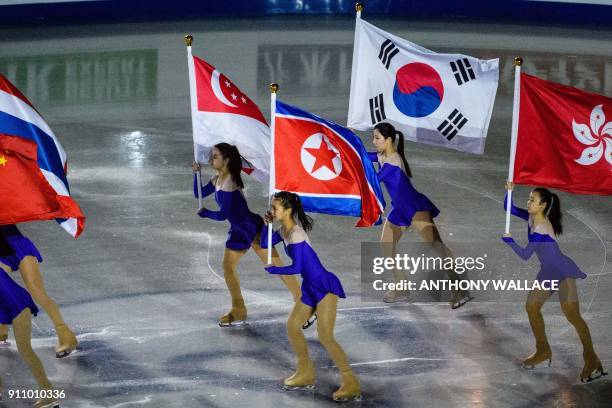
(323, 155)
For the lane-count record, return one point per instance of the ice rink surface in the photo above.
(143, 286)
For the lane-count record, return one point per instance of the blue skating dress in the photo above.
(316, 280)
(554, 265)
(244, 225)
(13, 298)
(405, 199)
(20, 245)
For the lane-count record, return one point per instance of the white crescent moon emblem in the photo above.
(216, 88)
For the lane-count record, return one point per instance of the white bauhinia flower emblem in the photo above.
(600, 141)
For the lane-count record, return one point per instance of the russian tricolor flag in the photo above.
(21, 126)
(326, 165)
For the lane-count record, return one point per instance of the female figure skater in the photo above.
(543, 216)
(17, 308)
(245, 226)
(409, 207)
(320, 291)
(26, 258)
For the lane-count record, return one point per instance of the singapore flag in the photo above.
(223, 113)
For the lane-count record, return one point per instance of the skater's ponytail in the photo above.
(552, 211)
(234, 164)
(292, 201)
(388, 131)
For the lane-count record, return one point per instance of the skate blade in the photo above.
(235, 323)
(309, 322)
(307, 387)
(54, 404)
(65, 353)
(355, 398)
(543, 364)
(462, 302)
(595, 375)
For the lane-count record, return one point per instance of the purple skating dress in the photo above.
(316, 280)
(554, 265)
(13, 298)
(20, 245)
(244, 225)
(405, 199)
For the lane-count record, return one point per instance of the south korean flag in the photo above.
(438, 99)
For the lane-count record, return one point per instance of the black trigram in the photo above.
(452, 124)
(462, 70)
(377, 109)
(388, 50)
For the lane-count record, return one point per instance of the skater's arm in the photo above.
(297, 254)
(276, 238)
(207, 190)
(514, 210)
(524, 253)
(527, 252)
(373, 156)
(224, 209)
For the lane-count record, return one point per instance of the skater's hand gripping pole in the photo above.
(197, 169)
(273, 90)
(518, 61)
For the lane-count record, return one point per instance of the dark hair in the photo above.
(388, 131)
(292, 201)
(234, 164)
(552, 209)
(5, 248)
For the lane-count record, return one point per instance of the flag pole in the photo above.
(193, 103)
(358, 9)
(273, 90)
(518, 61)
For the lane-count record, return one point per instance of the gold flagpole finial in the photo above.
(518, 61)
(188, 40)
(273, 88)
(358, 7)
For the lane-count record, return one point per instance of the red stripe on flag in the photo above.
(8, 87)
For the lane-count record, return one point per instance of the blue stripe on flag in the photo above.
(48, 156)
(329, 205)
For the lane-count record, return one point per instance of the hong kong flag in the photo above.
(221, 112)
(326, 165)
(564, 140)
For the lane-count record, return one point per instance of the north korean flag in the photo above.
(326, 165)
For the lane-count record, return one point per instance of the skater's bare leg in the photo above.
(30, 272)
(304, 376)
(391, 234)
(22, 326)
(533, 306)
(326, 310)
(238, 312)
(423, 223)
(568, 296)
